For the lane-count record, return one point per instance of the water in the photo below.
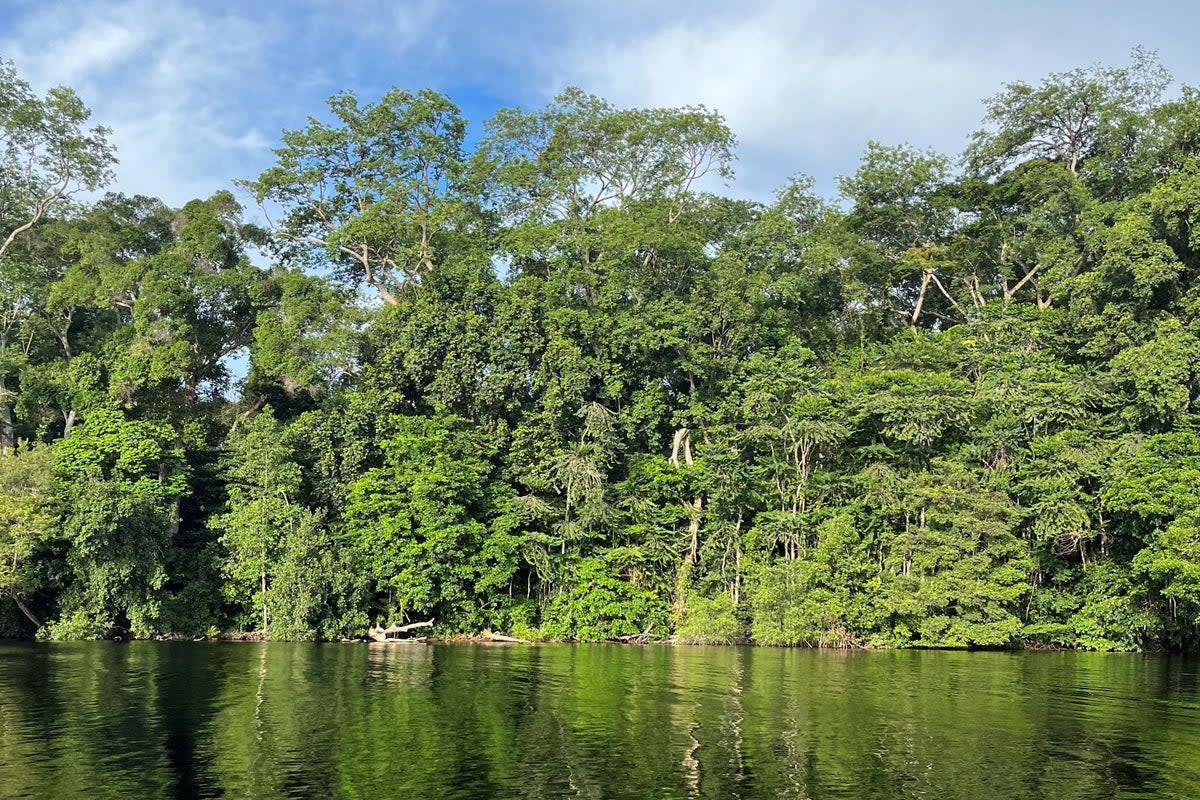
(160, 720)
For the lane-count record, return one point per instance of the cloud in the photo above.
(168, 78)
(800, 88)
(197, 93)
(806, 83)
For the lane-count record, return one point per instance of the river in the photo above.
(246, 720)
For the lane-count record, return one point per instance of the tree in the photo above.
(373, 194)
(48, 153)
(263, 483)
(281, 560)
(303, 340)
(432, 525)
(1071, 116)
(118, 482)
(580, 155)
(1154, 491)
(178, 308)
(903, 213)
(26, 522)
(954, 570)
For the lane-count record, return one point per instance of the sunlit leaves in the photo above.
(371, 192)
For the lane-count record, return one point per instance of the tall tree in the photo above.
(47, 154)
(372, 193)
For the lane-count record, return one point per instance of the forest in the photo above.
(546, 377)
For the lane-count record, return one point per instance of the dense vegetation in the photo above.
(550, 383)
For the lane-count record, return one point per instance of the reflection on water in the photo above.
(158, 720)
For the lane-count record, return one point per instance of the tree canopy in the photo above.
(551, 380)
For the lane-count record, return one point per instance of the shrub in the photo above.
(707, 620)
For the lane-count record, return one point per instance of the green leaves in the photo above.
(433, 525)
(599, 602)
(374, 193)
(1068, 118)
(26, 523)
(955, 571)
(1161, 375)
(581, 155)
(911, 408)
(117, 484)
(284, 571)
(46, 153)
(954, 409)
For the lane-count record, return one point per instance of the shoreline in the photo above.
(502, 640)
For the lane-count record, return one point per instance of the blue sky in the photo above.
(198, 92)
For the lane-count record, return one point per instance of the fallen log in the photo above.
(389, 633)
(498, 637)
(636, 638)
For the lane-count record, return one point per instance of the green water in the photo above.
(156, 720)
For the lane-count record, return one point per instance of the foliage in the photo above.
(600, 603)
(432, 528)
(26, 522)
(585, 396)
(119, 483)
(707, 620)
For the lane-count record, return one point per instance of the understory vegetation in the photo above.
(557, 383)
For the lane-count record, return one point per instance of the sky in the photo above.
(197, 93)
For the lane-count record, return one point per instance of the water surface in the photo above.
(244, 720)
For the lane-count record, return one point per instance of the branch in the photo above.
(382, 634)
(953, 302)
(39, 210)
(916, 314)
(1008, 293)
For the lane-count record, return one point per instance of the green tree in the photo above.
(432, 526)
(47, 154)
(263, 520)
(118, 483)
(954, 571)
(26, 522)
(372, 194)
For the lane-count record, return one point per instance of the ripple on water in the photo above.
(249, 720)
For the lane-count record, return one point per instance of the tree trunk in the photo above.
(37, 623)
(736, 592)
(8, 438)
(681, 436)
(697, 506)
(916, 314)
(382, 634)
(683, 443)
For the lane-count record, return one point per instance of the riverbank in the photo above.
(493, 638)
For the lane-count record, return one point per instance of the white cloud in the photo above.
(198, 92)
(806, 83)
(165, 76)
(85, 51)
(799, 92)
